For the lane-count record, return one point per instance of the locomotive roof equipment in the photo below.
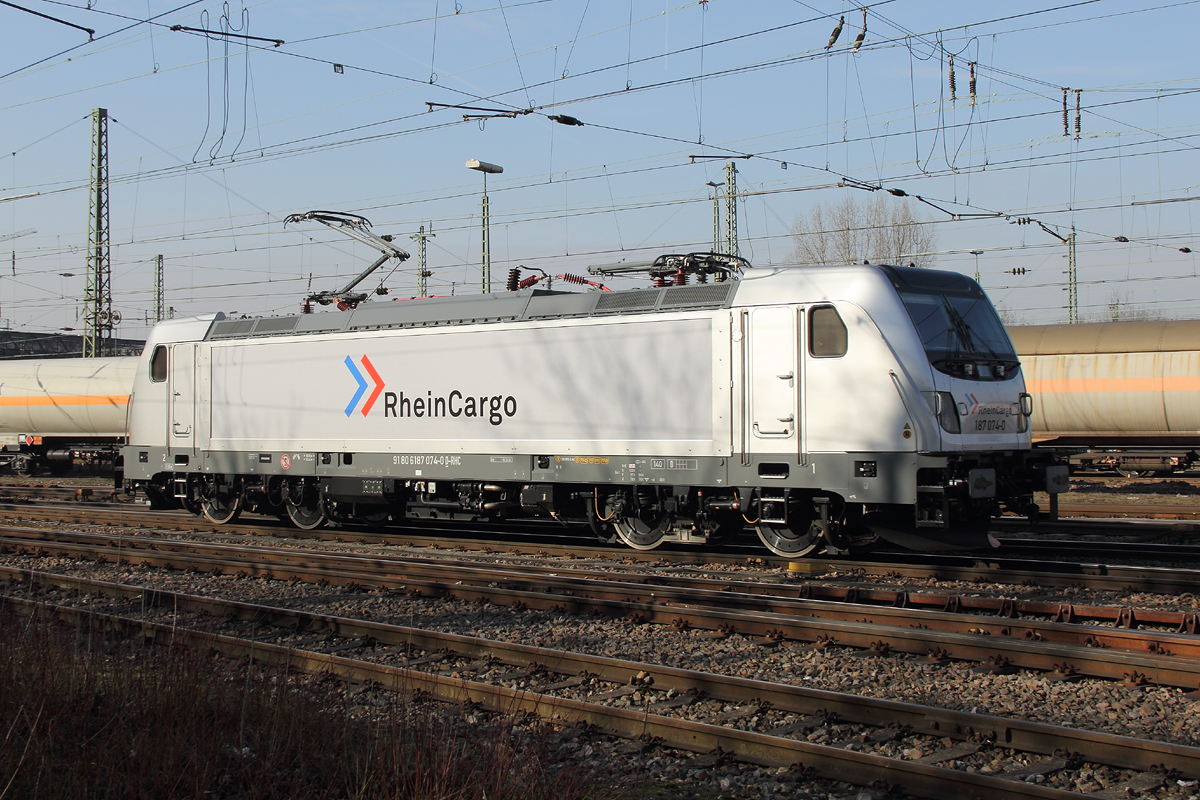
(357, 228)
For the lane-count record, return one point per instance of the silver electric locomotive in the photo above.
(828, 407)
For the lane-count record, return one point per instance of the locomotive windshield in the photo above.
(957, 324)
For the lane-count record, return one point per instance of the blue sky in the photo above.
(213, 143)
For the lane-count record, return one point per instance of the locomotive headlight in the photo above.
(969, 370)
(1024, 411)
(947, 413)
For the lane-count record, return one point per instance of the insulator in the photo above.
(953, 85)
(701, 277)
(1018, 270)
(530, 281)
(681, 277)
(1066, 120)
(514, 279)
(569, 278)
(1078, 121)
(306, 307)
(972, 83)
(659, 281)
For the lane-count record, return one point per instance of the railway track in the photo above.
(551, 540)
(753, 721)
(767, 612)
(1001, 641)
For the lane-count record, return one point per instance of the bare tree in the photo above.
(1120, 310)
(882, 230)
(1009, 317)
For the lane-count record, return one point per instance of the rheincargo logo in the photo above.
(362, 385)
(494, 408)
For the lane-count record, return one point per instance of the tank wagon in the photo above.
(1124, 395)
(825, 406)
(56, 411)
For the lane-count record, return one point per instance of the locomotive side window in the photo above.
(826, 333)
(158, 364)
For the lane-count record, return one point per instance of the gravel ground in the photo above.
(1148, 712)
(1165, 491)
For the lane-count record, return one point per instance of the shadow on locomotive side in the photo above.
(828, 407)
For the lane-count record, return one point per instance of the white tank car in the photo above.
(53, 411)
(1119, 394)
(825, 406)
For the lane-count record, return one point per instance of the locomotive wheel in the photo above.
(222, 509)
(644, 531)
(306, 516)
(783, 540)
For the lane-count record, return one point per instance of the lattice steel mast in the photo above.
(422, 272)
(1072, 281)
(98, 316)
(160, 304)
(731, 235)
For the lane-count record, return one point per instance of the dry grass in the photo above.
(88, 715)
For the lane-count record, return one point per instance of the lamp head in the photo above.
(483, 166)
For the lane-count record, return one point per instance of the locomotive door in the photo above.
(183, 395)
(773, 379)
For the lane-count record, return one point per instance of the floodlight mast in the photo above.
(357, 228)
(485, 218)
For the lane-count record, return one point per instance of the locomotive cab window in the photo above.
(959, 328)
(158, 364)
(826, 333)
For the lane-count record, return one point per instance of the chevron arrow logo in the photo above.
(379, 384)
(362, 385)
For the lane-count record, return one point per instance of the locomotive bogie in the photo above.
(802, 402)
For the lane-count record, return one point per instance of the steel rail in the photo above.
(1143, 549)
(953, 568)
(116, 513)
(1012, 734)
(775, 598)
(756, 748)
(1118, 616)
(1129, 510)
(1000, 651)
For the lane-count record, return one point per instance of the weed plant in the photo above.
(87, 715)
